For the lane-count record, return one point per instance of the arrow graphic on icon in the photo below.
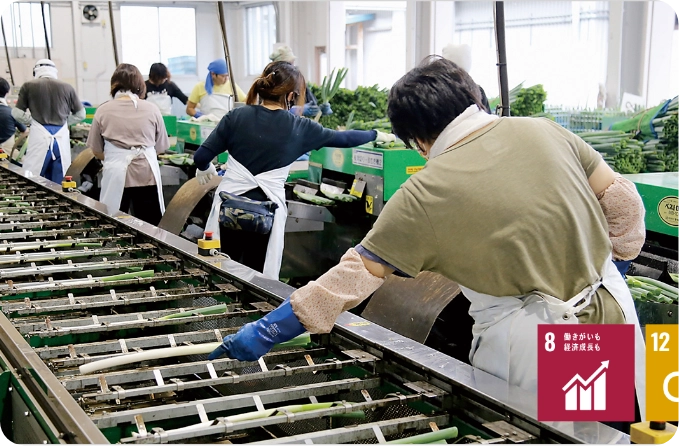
(585, 383)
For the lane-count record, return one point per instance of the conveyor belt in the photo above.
(79, 285)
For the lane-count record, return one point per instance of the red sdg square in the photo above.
(585, 372)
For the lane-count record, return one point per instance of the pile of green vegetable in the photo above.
(645, 289)
(529, 101)
(513, 94)
(367, 104)
(523, 101)
(382, 125)
(657, 128)
(618, 149)
(661, 152)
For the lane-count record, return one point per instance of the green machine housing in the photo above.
(380, 172)
(194, 132)
(659, 192)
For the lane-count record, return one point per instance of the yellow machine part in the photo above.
(66, 185)
(641, 433)
(208, 244)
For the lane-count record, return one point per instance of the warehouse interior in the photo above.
(108, 315)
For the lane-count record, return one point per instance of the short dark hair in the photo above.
(277, 81)
(158, 72)
(4, 87)
(428, 98)
(127, 77)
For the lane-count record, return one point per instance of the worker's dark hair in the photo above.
(127, 77)
(4, 87)
(424, 101)
(277, 81)
(158, 72)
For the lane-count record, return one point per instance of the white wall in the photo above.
(84, 53)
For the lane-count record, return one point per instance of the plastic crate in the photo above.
(578, 120)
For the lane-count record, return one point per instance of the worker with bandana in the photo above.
(214, 95)
(49, 106)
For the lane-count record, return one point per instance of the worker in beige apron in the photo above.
(116, 162)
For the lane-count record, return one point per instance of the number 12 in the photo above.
(664, 337)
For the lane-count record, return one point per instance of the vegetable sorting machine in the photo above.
(80, 285)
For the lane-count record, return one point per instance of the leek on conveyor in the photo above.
(87, 281)
(346, 198)
(646, 289)
(184, 350)
(179, 159)
(260, 414)
(31, 246)
(214, 309)
(314, 199)
(427, 438)
(54, 255)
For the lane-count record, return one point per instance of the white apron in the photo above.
(238, 180)
(40, 141)
(162, 100)
(216, 104)
(116, 161)
(505, 341)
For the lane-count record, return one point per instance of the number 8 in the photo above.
(549, 342)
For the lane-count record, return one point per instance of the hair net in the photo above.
(283, 54)
(460, 55)
(45, 68)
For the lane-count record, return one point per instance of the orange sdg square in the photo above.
(662, 372)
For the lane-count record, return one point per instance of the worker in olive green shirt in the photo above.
(520, 212)
(212, 96)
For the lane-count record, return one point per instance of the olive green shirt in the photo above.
(505, 212)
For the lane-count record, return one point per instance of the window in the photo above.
(261, 35)
(372, 27)
(149, 35)
(547, 42)
(23, 25)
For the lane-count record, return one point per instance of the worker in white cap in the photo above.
(49, 106)
(283, 53)
(461, 55)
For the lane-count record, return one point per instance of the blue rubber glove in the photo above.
(198, 114)
(310, 110)
(623, 266)
(255, 339)
(325, 109)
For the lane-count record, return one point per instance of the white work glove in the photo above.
(385, 138)
(203, 118)
(204, 176)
